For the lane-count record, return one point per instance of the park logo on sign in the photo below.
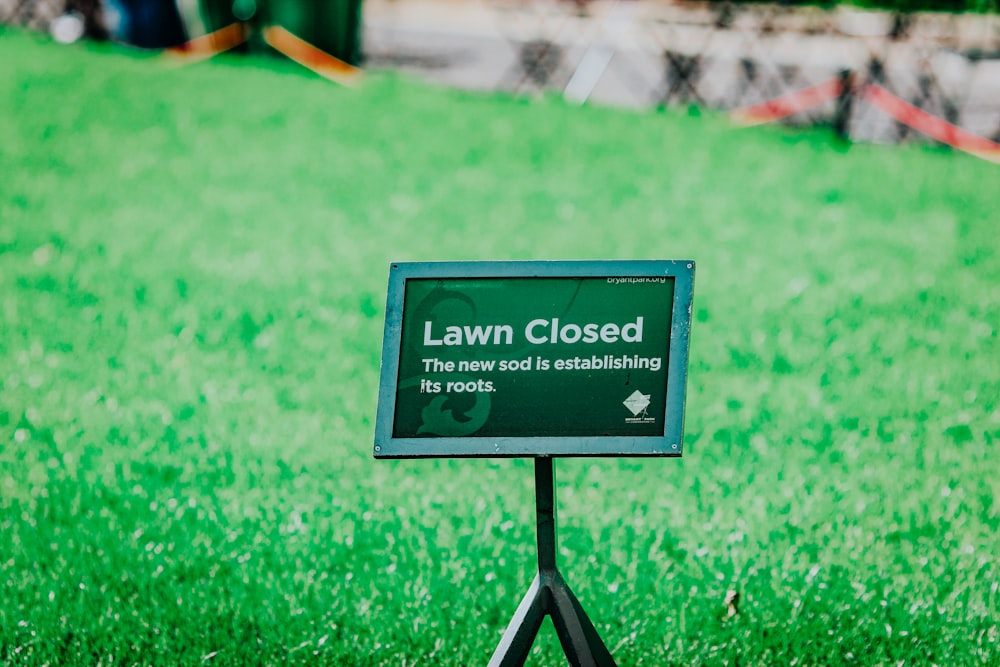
(637, 404)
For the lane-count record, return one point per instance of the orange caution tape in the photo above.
(931, 125)
(309, 56)
(211, 44)
(787, 105)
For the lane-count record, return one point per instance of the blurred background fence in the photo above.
(716, 55)
(817, 61)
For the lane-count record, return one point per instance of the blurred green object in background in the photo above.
(334, 26)
(331, 25)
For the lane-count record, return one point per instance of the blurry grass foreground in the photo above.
(192, 277)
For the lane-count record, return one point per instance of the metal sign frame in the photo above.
(681, 272)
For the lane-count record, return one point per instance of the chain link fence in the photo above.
(719, 55)
(34, 14)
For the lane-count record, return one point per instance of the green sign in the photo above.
(534, 359)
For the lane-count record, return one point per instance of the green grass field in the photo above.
(193, 265)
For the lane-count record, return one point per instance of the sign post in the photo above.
(550, 595)
(536, 359)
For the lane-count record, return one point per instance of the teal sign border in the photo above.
(669, 444)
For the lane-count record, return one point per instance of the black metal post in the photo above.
(842, 114)
(545, 513)
(549, 594)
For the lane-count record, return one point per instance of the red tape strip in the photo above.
(213, 43)
(311, 57)
(787, 105)
(931, 125)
